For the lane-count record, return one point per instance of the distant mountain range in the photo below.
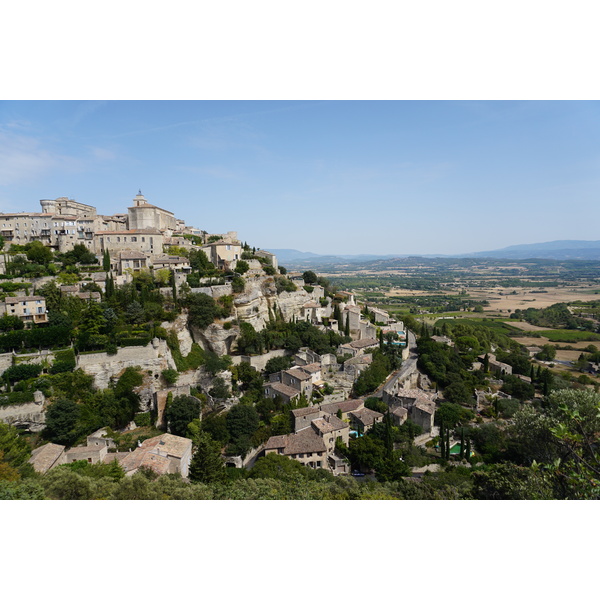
(557, 250)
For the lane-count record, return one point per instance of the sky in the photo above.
(329, 177)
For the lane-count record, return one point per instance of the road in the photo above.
(407, 365)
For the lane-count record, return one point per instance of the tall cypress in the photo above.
(347, 326)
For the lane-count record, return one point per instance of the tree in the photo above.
(548, 352)
(241, 267)
(242, 420)
(202, 310)
(170, 376)
(180, 413)
(310, 277)
(61, 421)
(278, 363)
(106, 260)
(14, 449)
(38, 253)
(207, 463)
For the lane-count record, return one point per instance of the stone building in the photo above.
(30, 309)
(143, 215)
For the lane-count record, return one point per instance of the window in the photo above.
(118, 239)
(134, 239)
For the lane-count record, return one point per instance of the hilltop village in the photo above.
(143, 358)
(129, 337)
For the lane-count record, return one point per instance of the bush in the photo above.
(170, 376)
(238, 284)
(20, 372)
(63, 361)
(143, 419)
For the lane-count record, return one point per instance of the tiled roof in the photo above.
(45, 457)
(285, 390)
(359, 344)
(427, 406)
(298, 373)
(302, 412)
(345, 406)
(297, 443)
(311, 368)
(414, 394)
(328, 424)
(15, 299)
(131, 254)
(366, 416)
(83, 449)
(173, 445)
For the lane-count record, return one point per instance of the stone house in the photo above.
(298, 379)
(165, 453)
(132, 260)
(276, 389)
(271, 258)
(92, 454)
(496, 367)
(30, 309)
(223, 253)
(364, 418)
(345, 407)
(419, 405)
(305, 446)
(358, 346)
(173, 263)
(148, 241)
(330, 428)
(353, 367)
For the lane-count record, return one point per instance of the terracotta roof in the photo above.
(44, 458)
(298, 373)
(311, 305)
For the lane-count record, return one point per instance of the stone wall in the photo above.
(154, 357)
(259, 362)
(30, 416)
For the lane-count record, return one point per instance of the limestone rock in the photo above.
(216, 338)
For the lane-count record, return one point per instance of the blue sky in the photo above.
(348, 177)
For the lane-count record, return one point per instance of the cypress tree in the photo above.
(106, 260)
(462, 443)
(442, 440)
(347, 327)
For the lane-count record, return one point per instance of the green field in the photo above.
(567, 336)
(497, 325)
